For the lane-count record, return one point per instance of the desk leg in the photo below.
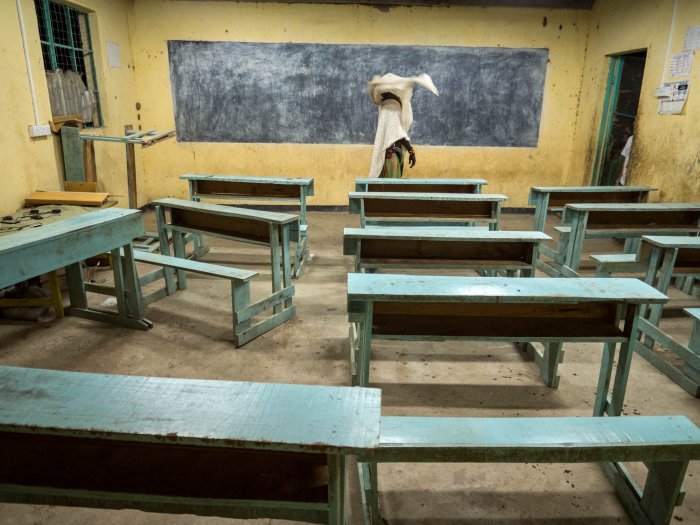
(179, 247)
(369, 493)
(578, 235)
(240, 298)
(286, 263)
(551, 358)
(56, 297)
(364, 354)
(624, 361)
(336, 489)
(168, 273)
(134, 300)
(541, 202)
(118, 273)
(275, 263)
(663, 282)
(606, 366)
(76, 286)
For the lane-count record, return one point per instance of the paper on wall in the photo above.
(692, 38)
(113, 55)
(673, 105)
(681, 64)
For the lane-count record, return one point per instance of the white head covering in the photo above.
(394, 120)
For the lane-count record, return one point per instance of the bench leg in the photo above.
(240, 298)
(336, 489)
(604, 376)
(286, 263)
(275, 263)
(369, 493)
(179, 247)
(661, 490)
(552, 356)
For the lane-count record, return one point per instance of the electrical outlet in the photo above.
(39, 130)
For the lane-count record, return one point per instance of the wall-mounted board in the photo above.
(317, 93)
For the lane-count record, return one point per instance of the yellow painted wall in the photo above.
(666, 148)
(34, 164)
(509, 170)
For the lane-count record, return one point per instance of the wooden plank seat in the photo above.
(407, 248)
(426, 209)
(613, 221)
(665, 443)
(181, 446)
(246, 188)
(407, 185)
(554, 198)
(543, 310)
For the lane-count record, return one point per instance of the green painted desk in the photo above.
(426, 209)
(64, 244)
(181, 446)
(550, 198)
(549, 311)
(245, 188)
(407, 248)
(421, 185)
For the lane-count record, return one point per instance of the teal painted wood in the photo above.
(260, 188)
(456, 185)
(400, 247)
(546, 198)
(263, 416)
(549, 311)
(212, 270)
(229, 211)
(665, 443)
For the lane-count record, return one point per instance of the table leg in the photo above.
(119, 290)
(286, 263)
(275, 263)
(76, 286)
(56, 297)
(624, 361)
(606, 366)
(336, 489)
(134, 299)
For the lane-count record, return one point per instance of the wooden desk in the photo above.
(211, 448)
(426, 209)
(550, 198)
(549, 311)
(64, 244)
(244, 188)
(421, 185)
(406, 248)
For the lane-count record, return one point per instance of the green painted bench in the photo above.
(543, 310)
(245, 188)
(613, 221)
(406, 185)
(554, 198)
(181, 446)
(665, 443)
(406, 248)
(426, 209)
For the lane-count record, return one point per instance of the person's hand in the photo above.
(411, 158)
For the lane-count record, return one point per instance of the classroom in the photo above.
(391, 262)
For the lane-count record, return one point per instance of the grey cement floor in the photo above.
(191, 338)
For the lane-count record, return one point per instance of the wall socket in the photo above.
(39, 130)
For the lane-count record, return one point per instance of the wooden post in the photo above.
(131, 169)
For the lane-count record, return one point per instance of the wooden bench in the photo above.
(65, 244)
(181, 446)
(421, 185)
(405, 248)
(426, 209)
(612, 221)
(554, 198)
(665, 443)
(244, 188)
(548, 311)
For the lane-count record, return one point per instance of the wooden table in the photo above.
(64, 244)
(245, 188)
(550, 198)
(407, 248)
(182, 446)
(549, 311)
(426, 209)
(421, 185)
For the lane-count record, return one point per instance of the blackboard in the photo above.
(317, 93)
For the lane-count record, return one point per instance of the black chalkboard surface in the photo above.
(317, 93)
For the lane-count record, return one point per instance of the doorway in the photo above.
(619, 115)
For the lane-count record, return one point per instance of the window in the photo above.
(66, 46)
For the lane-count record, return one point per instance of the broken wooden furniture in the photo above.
(427, 209)
(543, 310)
(130, 139)
(615, 221)
(456, 248)
(64, 244)
(666, 444)
(244, 188)
(421, 185)
(181, 446)
(237, 224)
(554, 198)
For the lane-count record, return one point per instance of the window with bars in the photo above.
(66, 45)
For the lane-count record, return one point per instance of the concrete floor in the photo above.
(191, 338)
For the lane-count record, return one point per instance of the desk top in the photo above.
(402, 181)
(292, 181)
(630, 206)
(451, 234)
(590, 189)
(672, 241)
(477, 197)
(188, 411)
(423, 288)
(228, 211)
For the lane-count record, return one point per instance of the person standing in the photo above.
(392, 95)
